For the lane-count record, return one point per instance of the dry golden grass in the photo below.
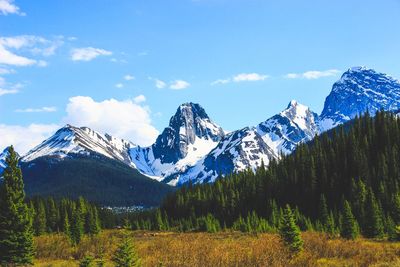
(222, 249)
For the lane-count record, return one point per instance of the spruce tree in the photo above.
(77, 227)
(16, 235)
(349, 229)
(126, 255)
(290, 232)
(39, 222)
(373, 224)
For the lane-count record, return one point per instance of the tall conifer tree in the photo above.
(16, 235)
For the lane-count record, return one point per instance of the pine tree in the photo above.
(126, 255)
(290, 232)
(349, 224)
(77, 227)
(373, 224)
(323, 212)
(53, 216)
(67, 226)
(16, 235)
(39, 222)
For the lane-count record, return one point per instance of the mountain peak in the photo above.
(358, 90)
(187, 111)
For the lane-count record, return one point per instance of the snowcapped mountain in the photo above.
(194, 148)
(69, 141)
(191, 135)
(294, 125)
(237, 151)
(358, 90)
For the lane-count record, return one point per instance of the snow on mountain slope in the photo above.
(237, 151)
(3, 156)
(284, 131)
(190, 136)
(359, 89)
(71, 140)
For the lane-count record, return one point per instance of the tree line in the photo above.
(345, 181)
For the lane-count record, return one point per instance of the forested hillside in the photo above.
(355, 164)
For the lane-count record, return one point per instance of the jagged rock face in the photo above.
(70, 140)
(359, 89)
(237, 151)
(3, 156)
(189, 122)
(284, 131)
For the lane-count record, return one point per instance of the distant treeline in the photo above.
(344, 181)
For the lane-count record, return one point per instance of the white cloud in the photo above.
(179, 85)
(8, 91)
(129, 77)
(139, 99)
(221, 81)
(124, 119)
(88, 53)
(6, 88)
(24, 138)
(37, 110)
(242, 77)
(249, 77)
(4, 71)
(160, 84)
(119, 85)
(8, 7)
(313, 74)
(34, 45)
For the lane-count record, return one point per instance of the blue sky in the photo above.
(124, 66)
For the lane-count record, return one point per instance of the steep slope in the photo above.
(3, 156)
(359, 89)
(97, 178)
(249, 147)
(81, 162)
(71, 141)
(294, 125)
(191, 135)
(237, 151)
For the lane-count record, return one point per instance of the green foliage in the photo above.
(126, 255)
(373, 223)
(16, 234)
(87, 261)
(100, 180)
(349, 224)
(290, 232)
(347, 162)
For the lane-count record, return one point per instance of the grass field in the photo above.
(221, 249)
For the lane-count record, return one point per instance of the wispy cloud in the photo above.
(179, 85)
(221, 81)
(12, 47)
(312, 74)
(242, 77)
(8, 91)
(8, 7)
(129, 77)
(160, 84)
(88, 53)
(37, 110)
(139, 99)
(249, 77)
(119, 85)
(7, 88)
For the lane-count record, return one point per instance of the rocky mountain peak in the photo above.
(358, 90)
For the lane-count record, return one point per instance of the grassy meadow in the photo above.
(220, 249)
